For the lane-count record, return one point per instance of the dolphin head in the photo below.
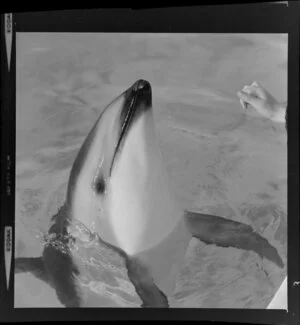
(118, 186)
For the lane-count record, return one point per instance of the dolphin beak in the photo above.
(144, 92)
(138, 99)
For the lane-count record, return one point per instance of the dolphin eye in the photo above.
(100, 186)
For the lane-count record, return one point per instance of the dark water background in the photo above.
(222, 160)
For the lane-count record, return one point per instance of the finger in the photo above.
(244, 104)
(246, 89)
(251, 90)
(257, 89)
(254, 90)
(248, 98)
(253, 84)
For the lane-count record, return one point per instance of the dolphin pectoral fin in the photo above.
(145, 287)
(34, 265)
(228, 233)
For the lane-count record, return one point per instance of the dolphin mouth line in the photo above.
(125, 126)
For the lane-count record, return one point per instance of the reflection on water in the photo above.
(102, 269)
(222, 160)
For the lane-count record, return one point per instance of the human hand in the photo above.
(258, 97)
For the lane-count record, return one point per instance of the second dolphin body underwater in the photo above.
(118, 187)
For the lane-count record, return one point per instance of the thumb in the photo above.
(248, 98)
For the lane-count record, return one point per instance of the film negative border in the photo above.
(222, 19)
(8, 77)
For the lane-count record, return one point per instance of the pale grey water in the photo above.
(221, 159)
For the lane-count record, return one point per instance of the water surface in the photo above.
(221, 159)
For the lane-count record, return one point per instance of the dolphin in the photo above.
(119, 189)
